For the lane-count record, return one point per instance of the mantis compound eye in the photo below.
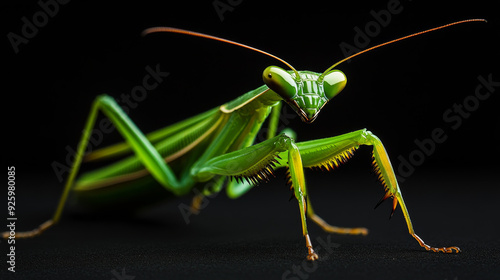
(333, 83)
(280, 81)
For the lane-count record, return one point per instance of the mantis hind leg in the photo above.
(144, 150)
(329, 153)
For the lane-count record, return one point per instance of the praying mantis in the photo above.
(216, 149)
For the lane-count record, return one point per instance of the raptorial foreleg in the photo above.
(328, 153)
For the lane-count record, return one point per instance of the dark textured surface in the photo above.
(259, 235)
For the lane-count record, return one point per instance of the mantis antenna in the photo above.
(202, 35)
(320, 78)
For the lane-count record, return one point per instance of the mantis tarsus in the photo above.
(218, 145)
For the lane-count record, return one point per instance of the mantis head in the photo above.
(305, 92)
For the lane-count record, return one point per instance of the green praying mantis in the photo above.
(218, 147)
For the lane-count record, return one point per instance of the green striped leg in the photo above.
(141, 146)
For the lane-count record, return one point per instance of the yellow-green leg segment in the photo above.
(329, 153)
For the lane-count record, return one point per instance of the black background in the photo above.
(399, 92)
